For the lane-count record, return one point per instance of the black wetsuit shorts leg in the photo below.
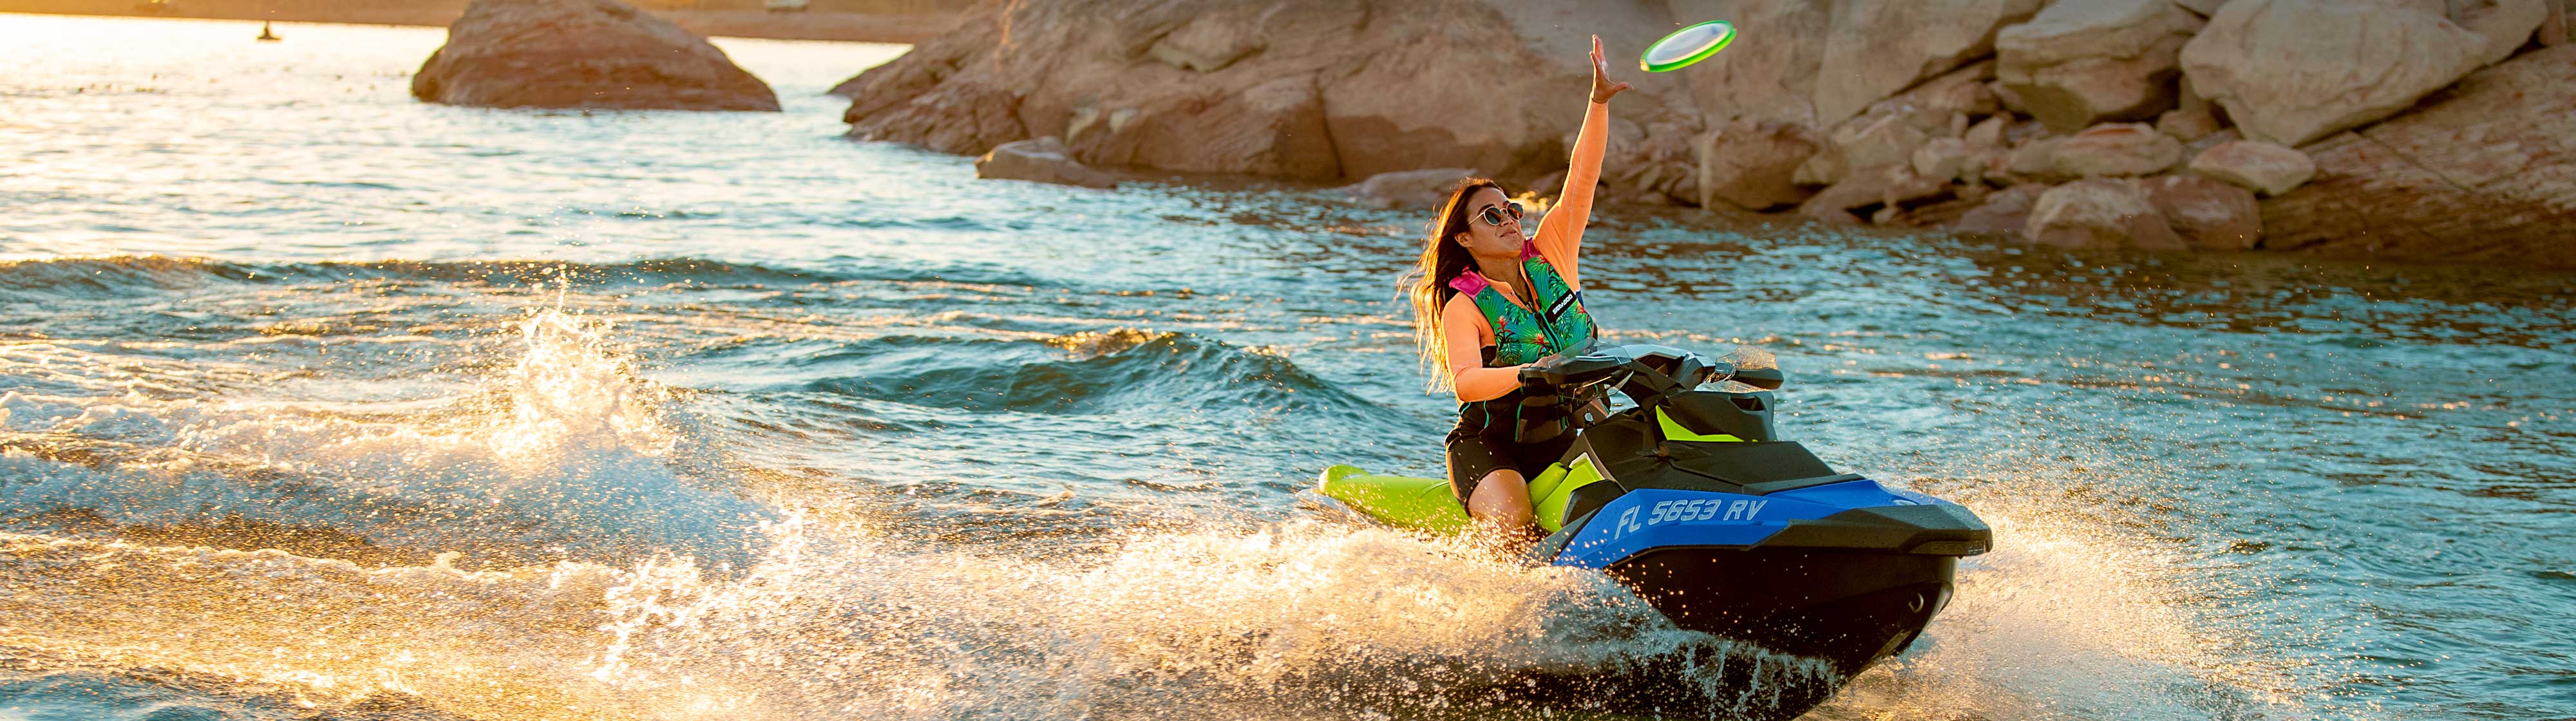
(1472, 454)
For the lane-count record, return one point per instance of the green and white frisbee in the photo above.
(1687, 45)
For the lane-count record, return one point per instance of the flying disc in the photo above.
(1687, 45)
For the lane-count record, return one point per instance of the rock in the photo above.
(1044, 160)
(2255, 165)
(1662, 163)
(1317, 89)
(1753, 164)
(1934, 106)
(1411, 188)
(1208, 43)
(2003, 214)
(2034, 161)
(2505, 24)
(1904, 186)
(1947, 159)
(1874, 49)
(961, 118)
(2484, 175)
(2553, 26)
(2115, 149)
(1864, 143)
(2080, 62)
(1773, 81)
(1275, 129)
(2099, 213)
(2292, 71)
(581, 54)
(2186, 124)
(1988, 133)
(1834, 204)
(2203, 8)
(2207, 213)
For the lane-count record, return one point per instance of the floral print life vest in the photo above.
(1522, 336)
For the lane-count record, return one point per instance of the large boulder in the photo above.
(2506, 24)
(582, 54)
(1773, 80)
(2292, 71)
(2099, 213)
(2255, 165)
(2207, 213)
(2003, 213)
(2115, 149)
(1873, 49)
(1043, 160)
(1820, 62)
(1863, 144)
(1322, 89)
(2487, 174)
(1752, 164)
(2081, 62)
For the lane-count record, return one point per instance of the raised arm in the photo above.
(1560, 236)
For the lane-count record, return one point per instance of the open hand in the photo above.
(1602, 88)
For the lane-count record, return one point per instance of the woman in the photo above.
(1488, 301)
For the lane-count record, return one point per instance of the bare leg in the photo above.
(1501, 508)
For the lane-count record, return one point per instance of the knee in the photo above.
(1501, 498)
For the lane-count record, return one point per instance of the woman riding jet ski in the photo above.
(1691, 500)
(1688, 497)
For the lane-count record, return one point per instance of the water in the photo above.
(680, 416)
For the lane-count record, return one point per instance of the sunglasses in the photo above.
(1494, 214)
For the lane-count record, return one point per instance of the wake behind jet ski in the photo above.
(1692, 501)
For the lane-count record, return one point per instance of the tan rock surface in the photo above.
(2207, 213)
(2292, 71)
(1322, 89)
(1043, 160)
(2255, 165)
(2487, 174)
(1751, 164)
(2121, 149)
(2506, 24)
(2099, 213)
(1874, 49)
(2004, 213)
(2081, 62)
(582, 54)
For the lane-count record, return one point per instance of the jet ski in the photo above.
(1691, 499)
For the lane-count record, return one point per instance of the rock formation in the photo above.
(582, 54)
(2167, 124)
(2488, 173)
(1042, 160)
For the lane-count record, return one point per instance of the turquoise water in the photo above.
(666, 415)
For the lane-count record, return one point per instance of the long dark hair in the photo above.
(1428, 283)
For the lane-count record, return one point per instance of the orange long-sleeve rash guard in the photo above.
(1560, 240)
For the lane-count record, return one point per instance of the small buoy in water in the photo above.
(266, 35)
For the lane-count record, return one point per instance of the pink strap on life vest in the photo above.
(1469, 282)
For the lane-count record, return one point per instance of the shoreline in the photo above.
(757, 24)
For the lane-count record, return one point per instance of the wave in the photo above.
(564, 453)
(1120, 370)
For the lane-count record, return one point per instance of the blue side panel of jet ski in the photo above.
(1656, 517)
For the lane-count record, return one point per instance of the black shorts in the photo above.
(1473, 454)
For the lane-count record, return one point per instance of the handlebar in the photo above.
(1646, 371)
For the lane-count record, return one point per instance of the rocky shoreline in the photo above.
(2411, 129)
